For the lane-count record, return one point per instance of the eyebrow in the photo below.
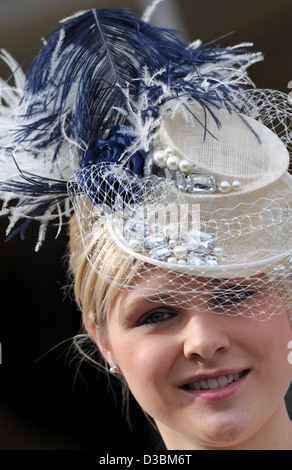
(168, 294)
(159, 297)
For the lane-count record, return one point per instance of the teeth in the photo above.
(210, 384)
(223, 380)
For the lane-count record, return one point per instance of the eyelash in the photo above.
(148, 319)
(232, 297)
(228, 298)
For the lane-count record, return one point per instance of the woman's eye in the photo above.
(155, 318)
(230, 297)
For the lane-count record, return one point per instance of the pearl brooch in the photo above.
(180, 251)
(172, 162)
(236, 185)
(224, 187)
(166, 158)
(160, 159)
(185, 166)
(180, 170)
(169, 151)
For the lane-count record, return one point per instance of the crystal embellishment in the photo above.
(192, 248)
(160, 252)
(154, 241)
(201, 183)
(196, 183)
(196, 259)
(178, 177)
(211, 260)
(200, 242)
(206, 243)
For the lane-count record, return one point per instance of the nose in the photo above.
(206, 335)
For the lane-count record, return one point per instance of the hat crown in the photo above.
(232, 147)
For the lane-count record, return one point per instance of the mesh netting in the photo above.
(174, 169)
(227, 251)
(235, 261)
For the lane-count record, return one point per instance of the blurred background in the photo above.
(50, 398)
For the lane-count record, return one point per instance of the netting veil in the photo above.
(174, 164)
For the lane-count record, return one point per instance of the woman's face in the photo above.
(208, 379)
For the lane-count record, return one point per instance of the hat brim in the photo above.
(254, 238)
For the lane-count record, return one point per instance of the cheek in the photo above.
(270, 339)
(146, 366)
(145, 361)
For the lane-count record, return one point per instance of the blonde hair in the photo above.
(95, 282)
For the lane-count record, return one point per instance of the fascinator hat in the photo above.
(162, 145)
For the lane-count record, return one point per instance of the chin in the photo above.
(227, 431)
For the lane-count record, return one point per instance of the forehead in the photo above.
(155, 279)
(158, 285)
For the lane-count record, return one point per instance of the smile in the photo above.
(215, 382)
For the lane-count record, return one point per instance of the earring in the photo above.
(114, 369)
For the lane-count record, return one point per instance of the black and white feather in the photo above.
(98, 70)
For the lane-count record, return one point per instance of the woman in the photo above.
(180, 238)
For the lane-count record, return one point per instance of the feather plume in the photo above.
(99, 69)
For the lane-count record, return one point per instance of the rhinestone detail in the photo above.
(192, 248)
(200, 183)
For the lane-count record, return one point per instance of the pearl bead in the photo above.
(169, 151)
(135, 244)
(172, 162)
(185, 166)
(236, 185)
(224, 187)
(172, 260)
(160, 159)
(181, 261)
(180, 251)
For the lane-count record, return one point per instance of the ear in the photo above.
(100, 337)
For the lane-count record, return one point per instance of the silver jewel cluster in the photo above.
(182, 171)
(192, 248)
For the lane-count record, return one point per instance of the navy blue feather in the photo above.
(101, 52)
(37, 192)
(77, 81)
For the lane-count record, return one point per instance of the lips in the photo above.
(215, 382)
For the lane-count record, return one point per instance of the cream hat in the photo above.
(167, 154)
(245, 212)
